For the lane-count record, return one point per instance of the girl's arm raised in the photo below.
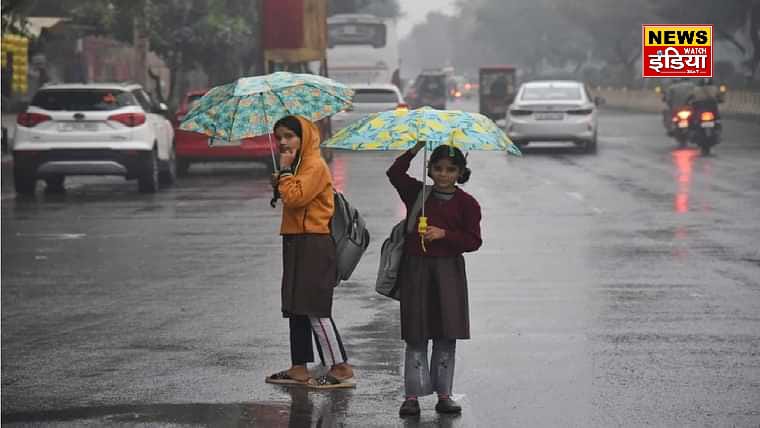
(406, 186)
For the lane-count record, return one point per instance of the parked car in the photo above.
(553, 111)
(93, 129)
(369, 98)
(193, 147)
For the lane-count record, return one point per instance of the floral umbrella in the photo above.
(250, 106)
(400, 129)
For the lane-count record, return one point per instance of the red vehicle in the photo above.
(192, 147)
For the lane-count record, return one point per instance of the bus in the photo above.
(362, 49)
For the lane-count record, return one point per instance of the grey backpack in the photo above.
(349, 231)
(393, 249)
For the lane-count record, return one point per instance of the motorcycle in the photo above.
(700, 126)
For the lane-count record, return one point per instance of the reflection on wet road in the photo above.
(618, 289)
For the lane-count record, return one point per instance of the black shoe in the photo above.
(447, 405)
(409, 408)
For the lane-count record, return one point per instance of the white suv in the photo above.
(93, 129)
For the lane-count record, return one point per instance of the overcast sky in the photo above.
(415, 12)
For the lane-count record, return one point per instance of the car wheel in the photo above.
(590, 146)
(183, 165)
(23, 182)
(147, 182)
(169, 174)
(55, 184)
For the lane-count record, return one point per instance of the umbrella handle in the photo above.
(275, 197)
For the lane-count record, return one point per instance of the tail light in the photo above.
(129, 119)
(31, 119)
(518, 112)
(707, 116)
(580, 112)
(683, 114)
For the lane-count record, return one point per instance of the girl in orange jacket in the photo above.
(305, 186)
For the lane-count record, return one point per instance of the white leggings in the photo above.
(329, 344)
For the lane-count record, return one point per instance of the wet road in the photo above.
(618, 289)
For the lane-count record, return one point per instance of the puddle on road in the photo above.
(305, 409)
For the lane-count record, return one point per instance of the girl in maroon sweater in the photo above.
(432, 279)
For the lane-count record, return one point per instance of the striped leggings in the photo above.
(329, 344)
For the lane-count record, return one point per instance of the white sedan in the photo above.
(553, 111)
(369, 98)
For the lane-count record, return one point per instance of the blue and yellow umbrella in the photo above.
(250, 106)
(400, 129)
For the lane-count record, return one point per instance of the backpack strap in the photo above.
(416, 208)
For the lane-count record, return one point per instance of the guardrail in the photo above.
(736, 102)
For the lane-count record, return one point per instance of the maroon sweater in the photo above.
(458, 216)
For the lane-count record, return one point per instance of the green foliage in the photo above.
(220, 36)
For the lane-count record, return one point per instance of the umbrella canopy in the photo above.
(250, 106)
(400, 129)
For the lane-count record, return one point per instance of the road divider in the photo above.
(736, 102)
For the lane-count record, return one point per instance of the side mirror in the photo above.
(163, 110)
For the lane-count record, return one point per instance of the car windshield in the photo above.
(432, 85)
(83, 99)
(558, 93)
(375, 96)
(356, 34)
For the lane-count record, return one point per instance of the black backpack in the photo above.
(349, 231)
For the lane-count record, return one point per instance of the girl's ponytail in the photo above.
(465, 176)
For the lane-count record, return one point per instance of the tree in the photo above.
(219, 35)
(615, 30)
(530, 34)
(727, 18)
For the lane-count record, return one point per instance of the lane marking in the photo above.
(62, 236)
(575, 195)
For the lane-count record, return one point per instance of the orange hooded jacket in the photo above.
(307, 194)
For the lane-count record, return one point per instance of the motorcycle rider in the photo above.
(706, 96)
(679, 94)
